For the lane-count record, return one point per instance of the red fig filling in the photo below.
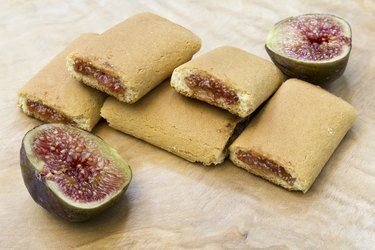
(114, 84)
(46, 113)
(71, 162)
(210, 89)
(319, 38)
(265, 165)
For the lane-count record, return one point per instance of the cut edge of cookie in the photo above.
(102, 78)
(203, 86)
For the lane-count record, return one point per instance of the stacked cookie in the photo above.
(203, 115)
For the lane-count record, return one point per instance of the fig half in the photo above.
(72, 173)
(312, 47)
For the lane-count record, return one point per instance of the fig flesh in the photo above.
(72, 173)
(312, 47)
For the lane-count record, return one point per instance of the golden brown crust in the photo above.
(188, 128)
(299, 129)
(253, 79)
(55, 88)
(142, 51)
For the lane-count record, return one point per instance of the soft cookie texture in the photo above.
(229, 78)
(193, 130)
(52, 95)
(133, 57)
(294, 135)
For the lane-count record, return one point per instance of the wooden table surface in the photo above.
(172, 203)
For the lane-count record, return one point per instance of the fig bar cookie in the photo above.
(133, 57)
(293, 136)
(52, 95)
(229, 78)
(188, 128)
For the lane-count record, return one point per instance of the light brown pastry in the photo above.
(52, 95)
(294, 135)
(229, 78)
(193, 130)
(133, 57)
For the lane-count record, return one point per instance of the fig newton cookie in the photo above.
(52, 95)
(193, 130)
(133, 57)
(294, 135)
(229, 78)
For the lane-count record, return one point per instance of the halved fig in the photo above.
(312, 47)
(72, 173)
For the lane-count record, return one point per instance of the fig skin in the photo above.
(45, 197)
(317, 72)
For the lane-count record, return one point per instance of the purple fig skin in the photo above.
(310, 72)
(45, 197)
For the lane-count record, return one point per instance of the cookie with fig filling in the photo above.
(294, 135)
(195, 131)
(229, 78)
(52, 95)
(133, 57)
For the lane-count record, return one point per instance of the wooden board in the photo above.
(172, 203)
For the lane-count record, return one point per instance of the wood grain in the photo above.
(172, 203)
